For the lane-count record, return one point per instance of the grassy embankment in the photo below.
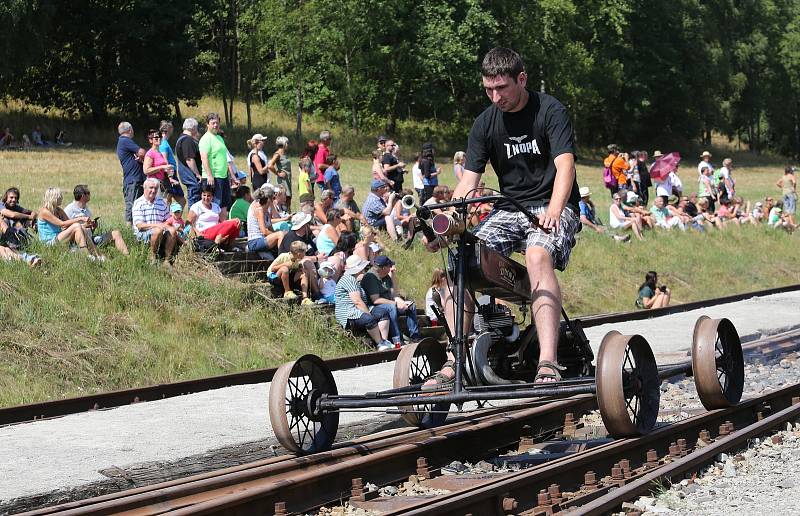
(74, 326)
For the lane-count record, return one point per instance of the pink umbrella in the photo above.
(664, 165)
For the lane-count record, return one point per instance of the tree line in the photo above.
(628, 70)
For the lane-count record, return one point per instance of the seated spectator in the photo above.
(757, 215)
(55, 227)
(725, 212)
(261, 234)
(778, 219)
(345, 247)
(441, 193)
(286, 272)
(587, 210)
(662, 216)
(61, 138)
(281, 215)
(350, 207)
(352, 312)
(632, 204)
(377, 210)
(741, 210)
(618, 219)
(150, 214)
(402, 217)
(241, 205)
(478, 212)
(705, 217)
(322, 206)
(434, 295)
(210, 222)
(332, 180)
(327, 283)
(301, 230)
(369, 247)
(381, 285)
(176, 220)
(80, 208)
(328, 235)
(39, 139)
(15, 215)
(651, 295)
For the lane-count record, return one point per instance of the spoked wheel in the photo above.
(627, 385)
(293, 395)
(415, 363)
(717, 363)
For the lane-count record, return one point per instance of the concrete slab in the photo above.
(62, 453)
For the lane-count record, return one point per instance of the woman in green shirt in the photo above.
(651, 295)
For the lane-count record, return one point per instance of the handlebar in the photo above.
(463, 202)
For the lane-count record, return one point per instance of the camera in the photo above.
(663, 288)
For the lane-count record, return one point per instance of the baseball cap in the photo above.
(383, 261)
(300, 219)
(175, 207)
(258, 137)
(377, 183)
(381, 138)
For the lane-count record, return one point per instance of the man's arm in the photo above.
(469, 181)
(562, 186)
(192, 164)
(207, 166)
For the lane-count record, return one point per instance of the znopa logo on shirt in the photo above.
(521, 147)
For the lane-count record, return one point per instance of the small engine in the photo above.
(497, 320)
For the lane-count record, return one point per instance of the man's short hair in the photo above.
(190, 124)
(212, 116)
(79, 191)
(613, 148)
(165, 126)
(330, 160)
(325, 135)
(502, 61)
(151, 181)
(348, 189)
(124, 127)
(242, 191)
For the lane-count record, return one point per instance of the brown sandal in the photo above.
(555, 375)
(443, 382)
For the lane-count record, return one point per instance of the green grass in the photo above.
(73, 327)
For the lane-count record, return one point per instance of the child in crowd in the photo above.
(434, 295)
(176, 220)
(283, 272)
(327, 283)
(332, 181)
(757, 215)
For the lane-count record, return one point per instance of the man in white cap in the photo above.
(705, 161)
(351, 309)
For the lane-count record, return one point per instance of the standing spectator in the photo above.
(433, 297)
(587, 210)
(706, 188)
(257, 161)
(724, 178)
(458, 164)
(155, 165)
(6, 138)
(352, 312)
(416, 177)
(381, 286)
(210, 222)
(651, 295)
(214, 155)
(321, 158)
(377, 167)
(331, 178)
(80, 208)
(393, 167)
(377, 211)
(381, 145)
(617, 218)
(150, 214)
(308, 175)
(618, 163)
(788, 186)
(261, 235)
(427, 167)
(190, 167)
(645, 182)
(130, 157)
(55, 227)
(705, 162)
(166, 128)
(280, 165)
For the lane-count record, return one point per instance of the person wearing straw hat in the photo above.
(705, 161)
(352, 312)
(587, 209)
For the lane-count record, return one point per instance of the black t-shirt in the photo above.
(187, 148)
(372, 284)
(395, 175)
(427, 167)
(521, 147)
(644, 175)
(690, 209)
(292, 236)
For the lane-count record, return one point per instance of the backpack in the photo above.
(609, 179)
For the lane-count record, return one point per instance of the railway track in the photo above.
(57, 408)
(596, 476)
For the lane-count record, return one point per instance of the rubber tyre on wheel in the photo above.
(293, 392)
(717, 363)
(627, 380)
(415, 363)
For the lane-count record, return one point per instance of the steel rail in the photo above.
(316, 479)
(57, 408)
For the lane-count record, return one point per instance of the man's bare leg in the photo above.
(546, 304)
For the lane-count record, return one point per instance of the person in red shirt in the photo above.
(323, 149)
